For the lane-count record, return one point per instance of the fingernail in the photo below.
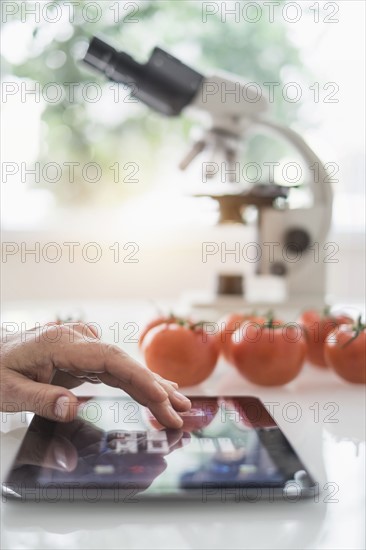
(60, 457)
(62, 407)
(175, 416)
(182, 398)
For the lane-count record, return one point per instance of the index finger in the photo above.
(99, 357)
(129, 371)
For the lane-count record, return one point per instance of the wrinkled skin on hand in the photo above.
(69, 354)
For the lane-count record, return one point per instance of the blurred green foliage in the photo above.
(76, 130)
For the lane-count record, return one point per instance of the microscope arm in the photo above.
(321, 190)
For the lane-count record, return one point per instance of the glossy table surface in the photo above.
(322, 416)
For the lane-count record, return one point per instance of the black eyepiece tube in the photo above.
(163, 83)
(99, 54)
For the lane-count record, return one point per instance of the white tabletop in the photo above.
(322, 416)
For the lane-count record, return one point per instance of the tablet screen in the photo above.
(226, 445)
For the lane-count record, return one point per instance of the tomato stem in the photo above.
(326, 311)
(200, 324)
(185, 322)
(270, 319)
(358, 328)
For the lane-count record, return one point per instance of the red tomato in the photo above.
(227, 325)
(345, 352)
(250, 412)
(154, 323)
(317, 327)
(184, 352)
(268, 354)
(201, 414)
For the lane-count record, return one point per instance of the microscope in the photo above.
(290, 238)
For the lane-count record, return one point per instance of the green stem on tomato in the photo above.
(326, 311)
(200, 324)
(358, 328)
(269, 319)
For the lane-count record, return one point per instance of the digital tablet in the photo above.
(229, 448)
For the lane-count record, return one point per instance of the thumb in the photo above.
(52, 402)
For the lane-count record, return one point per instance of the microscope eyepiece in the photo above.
(99, 54)
(164, 83)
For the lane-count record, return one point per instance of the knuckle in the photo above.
(71, 332)
(9, 388)
(41, 402)
(60, 333)
(77, 328)
(159, 379)
(52, 333)
(111, 350)
(149, 376)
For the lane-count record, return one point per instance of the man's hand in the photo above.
(29, 361)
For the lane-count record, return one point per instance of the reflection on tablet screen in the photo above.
(225, 443)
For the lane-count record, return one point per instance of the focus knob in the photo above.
(297, 240)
